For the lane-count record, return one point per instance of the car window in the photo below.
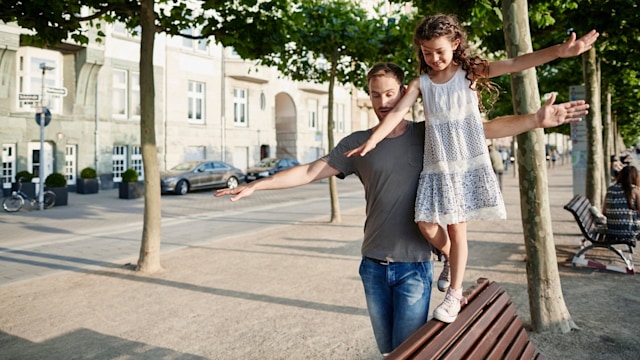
(186, 166)
(219, 165)
(267, 162)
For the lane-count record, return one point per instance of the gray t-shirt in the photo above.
(390, 175)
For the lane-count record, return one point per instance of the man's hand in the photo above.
(550, 115)
(238, 192)
(573, 47)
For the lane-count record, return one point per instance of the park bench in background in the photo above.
(487, 327)
(596, 235)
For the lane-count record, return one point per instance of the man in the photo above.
(497, 163)
(396, 267)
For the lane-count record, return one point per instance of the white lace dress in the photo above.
(457, 182)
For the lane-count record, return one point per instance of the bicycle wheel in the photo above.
(12, 203)
(49, 199)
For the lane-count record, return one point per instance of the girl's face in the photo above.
(438, 52)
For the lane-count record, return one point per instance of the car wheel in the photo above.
(182, 187)
(232, 183)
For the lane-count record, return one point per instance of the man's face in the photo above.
(384, 91)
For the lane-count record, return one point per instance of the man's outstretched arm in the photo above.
(295, 176)
(549, 115)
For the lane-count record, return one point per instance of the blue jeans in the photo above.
(398, 296)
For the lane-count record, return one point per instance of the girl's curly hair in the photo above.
(447, 25)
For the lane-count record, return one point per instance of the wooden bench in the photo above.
(487, 327)
(597, 236)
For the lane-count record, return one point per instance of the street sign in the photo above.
(28, 97)
(47, 117)
(57, 91)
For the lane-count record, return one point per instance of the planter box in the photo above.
(62, 195)
(87, 186)
(131, 190)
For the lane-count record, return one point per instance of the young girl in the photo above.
(457, 182)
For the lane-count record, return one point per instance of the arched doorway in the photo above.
(286, 127)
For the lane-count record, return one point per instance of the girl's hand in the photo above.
(552, 115)
(573, 47)
(361, 150)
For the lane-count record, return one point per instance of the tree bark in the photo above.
(336, 217)
(149, 260)
(594, 191)
(546, 302)
(607, 136)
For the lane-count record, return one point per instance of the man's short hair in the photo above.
(384, 68)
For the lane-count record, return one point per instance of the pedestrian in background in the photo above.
(497, 163)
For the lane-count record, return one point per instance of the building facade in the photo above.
(210, 104)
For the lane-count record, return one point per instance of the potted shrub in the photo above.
(88, 181)
(130, 188)
(25, 178)
(57, 183)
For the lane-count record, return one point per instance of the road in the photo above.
(102, 230)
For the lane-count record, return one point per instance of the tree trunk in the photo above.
(594, 191)
(546, 302)
(149, 260)
(607, 135)
(336, 217)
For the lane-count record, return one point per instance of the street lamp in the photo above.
(44, 68)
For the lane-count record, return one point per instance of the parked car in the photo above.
(202, 174)
(269, 166)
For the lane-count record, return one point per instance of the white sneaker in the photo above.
(448, 311)
(444, 279)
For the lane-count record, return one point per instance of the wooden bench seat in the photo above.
(597, 236)
(487, 327)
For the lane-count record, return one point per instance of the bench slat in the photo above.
(439, 343)
(474, 333)
(518, 346)
(508, 336)
(491, 337)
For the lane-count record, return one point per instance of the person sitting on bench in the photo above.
(621, 204)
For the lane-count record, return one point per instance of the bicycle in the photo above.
(15, 201)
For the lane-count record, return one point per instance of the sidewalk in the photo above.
(293, 292)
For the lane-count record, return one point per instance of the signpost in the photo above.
(43, 111)
(578, 145)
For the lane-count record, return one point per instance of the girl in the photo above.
(457, 182)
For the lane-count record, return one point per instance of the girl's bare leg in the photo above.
(459, 253)
(439, 238)
(436, 236)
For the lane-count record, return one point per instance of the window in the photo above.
(313, 114)
(196, 100)
(118, 162)
(125, 100)
(136, 161)
(70, 164)
(135, 95)
(121, 29)
(240, 107)
(30, 78)
(8, 165)
(338, 116)
(198, 45)
(119, 96)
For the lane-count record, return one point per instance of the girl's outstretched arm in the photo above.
(571, 47)
(393, 118)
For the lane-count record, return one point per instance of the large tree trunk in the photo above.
(149, 260)
(546, 302)
(607, 134)
(336, 217)
(594, 181)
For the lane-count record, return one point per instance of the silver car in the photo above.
(202, 174)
